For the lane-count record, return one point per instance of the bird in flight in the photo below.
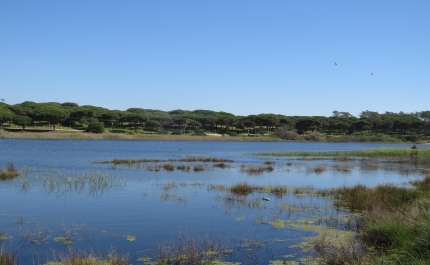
(335, 63)
(2, 99)
(371, 73)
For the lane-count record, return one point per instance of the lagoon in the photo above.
(65, 198)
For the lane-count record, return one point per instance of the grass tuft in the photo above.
(9, 173)
(242, 188)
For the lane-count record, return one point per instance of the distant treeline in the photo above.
(402, 125)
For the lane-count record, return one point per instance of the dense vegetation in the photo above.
(341, 126)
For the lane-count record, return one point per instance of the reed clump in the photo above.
(183, 168)
(384, 197)
(255, 169)
(130, 161)
(9, 173)
(7, 258)
(169, 167)
(279, 191)
(89, 258)
(221, 165)
(394, 227)
(316, 169)
(242, 188)
(198, 168)
(342, 168)
(190, 249)
(417, 156)
(204, 159)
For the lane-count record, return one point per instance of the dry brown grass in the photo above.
(8, 258)
(242, 188)
(342, 168)
(168, 167)
(252, 169)
(86, 258)
(316, 169)
(121, 136)
(9, 173)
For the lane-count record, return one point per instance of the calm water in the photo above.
(55, 198)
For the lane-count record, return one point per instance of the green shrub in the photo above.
(234, 134)
(199, 132)
(95, 127)
(177, 132)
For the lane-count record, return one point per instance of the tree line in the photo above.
(95, 119)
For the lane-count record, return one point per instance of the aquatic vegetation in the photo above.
(64, 240)
(197, 168)
(37, 237)
(170, 185)
(3, 236)
(93, 182)
(9, 173)
(165, 196)
(183, 168)
(190, 249)
(316, 169)
(342, 158)
(168, 167)
(129, 161)
(130, 238)
(406, 155)
(204, 159)
(88, 258)
(255, 169)
(342, 168)
(19, 220)
(242, 188)
(221, 165)
(7, 258)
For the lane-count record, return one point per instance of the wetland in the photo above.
(190, 202)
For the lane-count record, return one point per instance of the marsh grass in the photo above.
(394, 227)
(169, 167)
(369, 166)
(342, 158)
(342, 168)
(7, 258)
(93, 182)
(242, 188)
(415, 156)
(133, 161)
(183, 168)
(165, 196)
(255, 169)
(191, 250)
(9, 173)
(221, 165)
(204, 159)
(198, 168)
(88, 258)
(170, 185)
(316, 169)
(384, 197)
(130, 161)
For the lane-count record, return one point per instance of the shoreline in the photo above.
(67, 135)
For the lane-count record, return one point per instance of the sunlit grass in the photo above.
(9, 173)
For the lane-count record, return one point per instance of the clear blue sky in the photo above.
(243, 57)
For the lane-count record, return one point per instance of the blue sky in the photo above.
(242, 57)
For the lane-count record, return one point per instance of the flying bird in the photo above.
(371, 73)
(2, 99)
(335, 63)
